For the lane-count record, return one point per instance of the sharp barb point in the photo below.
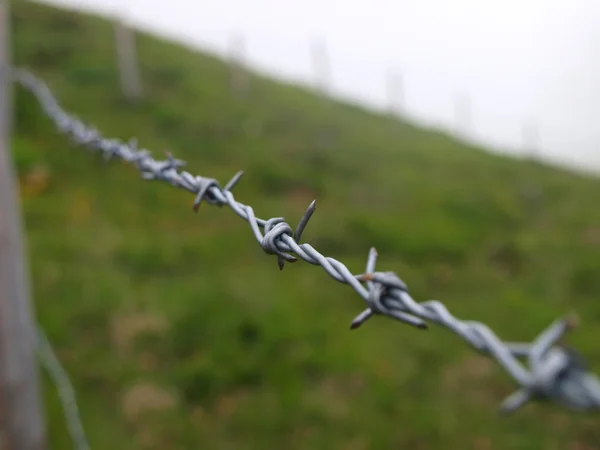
(234, 181)
(304, 221)
(371, 260)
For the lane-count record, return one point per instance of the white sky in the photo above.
(520, 61)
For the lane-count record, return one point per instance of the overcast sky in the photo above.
(519, 61)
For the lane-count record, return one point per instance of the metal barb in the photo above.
(235, 180)
(553, 372)
(556, 373)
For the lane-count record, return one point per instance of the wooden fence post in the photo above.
(131, 83)
(463, 114)
(21, 418)
(395, 93)
(239, 80)
(531, 139)
(321, 65)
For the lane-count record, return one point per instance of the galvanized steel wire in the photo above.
(65, 390)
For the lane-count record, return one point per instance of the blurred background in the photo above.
(457, 137)
(517, 76)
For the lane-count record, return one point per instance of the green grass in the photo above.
(149, 305)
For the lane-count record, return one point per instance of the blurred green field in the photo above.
(179, 332)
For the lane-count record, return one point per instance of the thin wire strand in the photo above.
(65, 390)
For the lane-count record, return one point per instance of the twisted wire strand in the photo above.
(384, 292)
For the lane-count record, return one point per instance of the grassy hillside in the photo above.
(180, 333)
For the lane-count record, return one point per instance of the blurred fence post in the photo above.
(395, 93)
(531, 139)
(21, 419)
(321, 65)
(463, 114)
(238, 79)
(131, 84)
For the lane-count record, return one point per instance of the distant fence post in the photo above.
(238, 78)
(21, 418)
(131, 84)
(531, 139)
(463, 114)
(395, 93)
(321, 65)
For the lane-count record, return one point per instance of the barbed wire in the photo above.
(551, 372)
